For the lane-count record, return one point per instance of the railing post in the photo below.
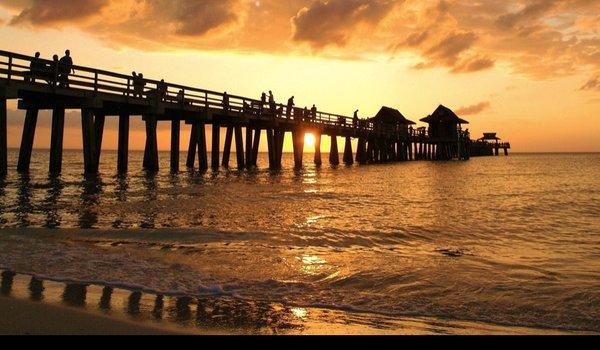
(128, 87)
(10, 64)
(95, 82)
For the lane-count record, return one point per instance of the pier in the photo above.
(100, 94)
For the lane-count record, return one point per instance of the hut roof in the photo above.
(490, 136)
(391, 116)
(443, 114)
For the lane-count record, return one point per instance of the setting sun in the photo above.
(309, 140)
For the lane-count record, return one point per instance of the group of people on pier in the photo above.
(56, 72)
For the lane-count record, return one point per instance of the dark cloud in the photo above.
(449, 48)
(331, 22)
(528, 13)
(473, 65)
(474, 109)
(592, 85)
(43, 13)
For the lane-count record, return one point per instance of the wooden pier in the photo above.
(99, 94)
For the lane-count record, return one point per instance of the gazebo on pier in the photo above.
(445, 132)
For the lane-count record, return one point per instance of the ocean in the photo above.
(500, 241)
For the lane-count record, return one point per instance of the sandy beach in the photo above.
(23, 317)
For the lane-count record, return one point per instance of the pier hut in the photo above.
(489, 145)
(391, 122)
(445, 132)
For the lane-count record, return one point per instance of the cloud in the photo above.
(44, 13)
(332, 21)
(592, 85)
(474, 109)
(541, 39)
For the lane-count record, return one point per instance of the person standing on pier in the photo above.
(355, 119)
(34, 69)
(161, 90)
(313, 112)
(138, 85)
(65, 68)
(290, 107)
(53, 73)
(225, 102)
(272, 105)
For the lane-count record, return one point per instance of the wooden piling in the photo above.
(151, 150)
(279, 140)
(334, 157)
(249, 143)
(227, 147)
(193, 145)
(298, 138)
(272, 148)
(318, 160)
(29, 126)
(256, 146)
(3, 138)
(99, 121)
(370, 151)
(201, 141)
(216, 145)
(348, 156)
(175, 141)
(123, 152)
(239, 147)
(89, 142)
(56, 141)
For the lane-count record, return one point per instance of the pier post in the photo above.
(201, 141)
(239, 147)
(279, 140)
(249, 157)
(191, 156)
(506, 151)
(123, 152)
(318, 160)
(334, 157)
(227, 147)
(256, 146)
(410, 151)
(99, 121)
(3, 138)
(273, 149)
(370, 151)
(29, 125)
(298, 138)
(216, 145)
(175, 141)
(89, 142)
(56, 141)
(348, 156)
(151, 151)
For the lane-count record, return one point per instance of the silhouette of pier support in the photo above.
(56, 141)
(123, 144)
(175, 140)
(88, 132)
(31, 117)
(151, 162)
(3, 138)
(256, 147)
(197, 146)
(227, 146)
(318, 160)
(348, 156)
(249, 144)
(298, 140)
(272, 148)
(216, 145)
(239, 147)
(334, 157)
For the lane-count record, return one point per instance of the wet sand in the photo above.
(22, 317)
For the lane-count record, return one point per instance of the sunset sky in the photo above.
(529, 70)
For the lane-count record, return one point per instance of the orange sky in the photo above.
(529, 70)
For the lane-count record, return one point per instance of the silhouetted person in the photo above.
(355, 119)
(263, 101)
(411, 130)
(181, 97)
(34, 68)
(271, 101)
(313, 112)
(65, 68)
(53, 74)
(290, 107)
(226, 102)
(138, 85)
(161, 90)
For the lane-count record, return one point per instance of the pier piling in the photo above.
(216, 145)
(227, 146)
(56, 141)
(29, 126)
(3, 138)
(175, 141)
(123, 147)
(334, 157)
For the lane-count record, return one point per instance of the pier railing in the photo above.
(16, 67)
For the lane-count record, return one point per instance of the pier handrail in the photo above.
(17, 67)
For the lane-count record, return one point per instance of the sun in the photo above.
(309, 139)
